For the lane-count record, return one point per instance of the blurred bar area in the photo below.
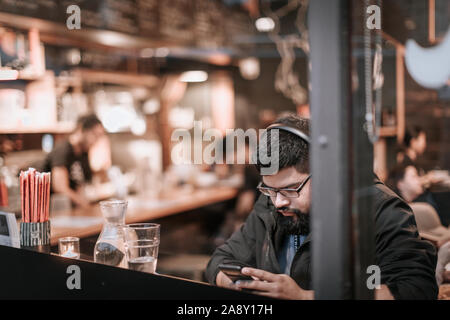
(100, 94)
(144, 68)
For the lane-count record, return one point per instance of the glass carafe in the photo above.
(110, 246)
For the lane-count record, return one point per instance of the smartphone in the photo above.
(233, 272)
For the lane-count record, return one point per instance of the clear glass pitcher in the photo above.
(110, 246)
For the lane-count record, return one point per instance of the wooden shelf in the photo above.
(121, 78)
(388, 131)
(29, 76)
(57, 128)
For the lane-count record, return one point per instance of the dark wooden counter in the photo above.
(33, 275)
(139, 210)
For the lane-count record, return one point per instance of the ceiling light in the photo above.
(151, 106)
(249, 68)
(264, 24)
(138, 126)
(162, 52)
(194, 76)
(111, 38)
(73, 56)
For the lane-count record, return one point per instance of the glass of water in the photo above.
(142, 244)
(69, 247)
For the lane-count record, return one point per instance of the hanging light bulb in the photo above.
(194, 76)
(138, 126)
(249, 68)
(264, 24)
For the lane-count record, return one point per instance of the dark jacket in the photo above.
(407, 263)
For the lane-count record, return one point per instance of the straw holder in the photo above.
(35, 236)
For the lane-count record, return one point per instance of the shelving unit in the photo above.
(388, 132)
(60, 128)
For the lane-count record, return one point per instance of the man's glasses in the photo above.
(285, 192)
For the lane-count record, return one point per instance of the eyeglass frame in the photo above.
(297, 190)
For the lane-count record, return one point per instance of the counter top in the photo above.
(84, 223)
(34, 275)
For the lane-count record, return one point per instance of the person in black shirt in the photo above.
(404, 179)
(411, 153)
(68, 161)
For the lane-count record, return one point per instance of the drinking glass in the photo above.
(69, 247)
(142, 244)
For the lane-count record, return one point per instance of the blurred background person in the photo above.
(247, 192)
(443, 263)
(69, 162)
(415, 144)
(406, 182)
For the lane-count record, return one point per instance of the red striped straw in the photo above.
(41, 198)
(21, 195)
(35, 193)
(36, 198)
(27, 198)
(31, 188)
(47, 198)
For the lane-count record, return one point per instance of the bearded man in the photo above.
(274, 244)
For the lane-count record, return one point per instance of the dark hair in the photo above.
(412, 132)
(397, 174)
(293, 151)
(88, 122)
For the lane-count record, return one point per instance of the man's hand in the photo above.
(279, 286)
(435, 177)
(222, 280)
(383, 293)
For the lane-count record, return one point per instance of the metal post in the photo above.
(362, 166)
(330, 158)
(362, 209)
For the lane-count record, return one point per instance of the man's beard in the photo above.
(297, 225)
